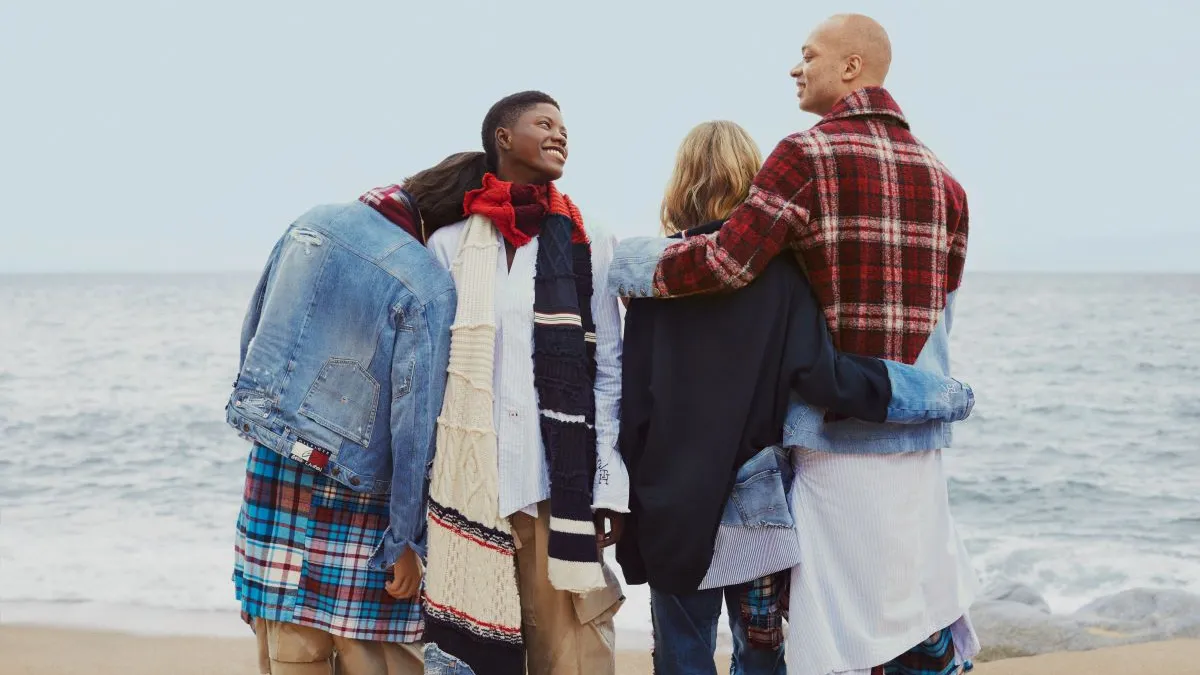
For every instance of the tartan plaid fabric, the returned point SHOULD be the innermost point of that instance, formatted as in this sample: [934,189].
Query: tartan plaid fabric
[393,203]
[934,656]
[764,607]
[301,554]
[878,222]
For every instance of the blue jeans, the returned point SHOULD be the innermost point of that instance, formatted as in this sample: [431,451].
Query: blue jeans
[685,635]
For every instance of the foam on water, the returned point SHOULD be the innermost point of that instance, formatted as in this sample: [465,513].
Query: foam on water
[120,484]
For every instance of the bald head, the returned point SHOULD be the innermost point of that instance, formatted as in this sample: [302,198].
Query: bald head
[845,53]
[858,35]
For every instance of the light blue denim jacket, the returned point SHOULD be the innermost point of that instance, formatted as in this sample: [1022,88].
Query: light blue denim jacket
[925,400]
[345,348]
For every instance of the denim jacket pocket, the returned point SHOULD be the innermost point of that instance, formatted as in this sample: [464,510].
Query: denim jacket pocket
[759,501]
[343,399]
[760,492]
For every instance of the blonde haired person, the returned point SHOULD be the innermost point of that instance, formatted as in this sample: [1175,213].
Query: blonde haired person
[714,168]
[710,521]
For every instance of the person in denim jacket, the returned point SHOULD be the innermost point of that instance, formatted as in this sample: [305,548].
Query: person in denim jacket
[341,377]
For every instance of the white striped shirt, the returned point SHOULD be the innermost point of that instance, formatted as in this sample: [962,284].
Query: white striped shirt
[877,575]
[524,474]
[742,554]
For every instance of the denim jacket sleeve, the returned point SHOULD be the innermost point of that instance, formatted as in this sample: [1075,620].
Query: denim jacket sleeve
[871,389]
[920,395]
[254,312]
[414,413]
[635,259]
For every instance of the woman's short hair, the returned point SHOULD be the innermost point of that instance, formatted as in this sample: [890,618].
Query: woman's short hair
[505,113]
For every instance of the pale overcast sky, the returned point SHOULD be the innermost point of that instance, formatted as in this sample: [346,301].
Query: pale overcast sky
[156,136]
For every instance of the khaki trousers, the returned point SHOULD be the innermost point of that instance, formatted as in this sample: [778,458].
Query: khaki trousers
[292,649]
[565,633]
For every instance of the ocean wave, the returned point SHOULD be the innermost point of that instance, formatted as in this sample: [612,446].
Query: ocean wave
[1075,476]
[1070,574]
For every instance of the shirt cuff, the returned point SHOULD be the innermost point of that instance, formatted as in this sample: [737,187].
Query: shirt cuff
[390,548]
[920,395]
[610,490]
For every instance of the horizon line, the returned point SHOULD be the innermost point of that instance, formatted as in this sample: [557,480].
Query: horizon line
[214,272]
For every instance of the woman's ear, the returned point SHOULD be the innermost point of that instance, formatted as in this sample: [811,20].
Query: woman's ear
[503,139]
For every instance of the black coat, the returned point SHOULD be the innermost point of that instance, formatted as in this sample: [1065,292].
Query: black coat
[706,384]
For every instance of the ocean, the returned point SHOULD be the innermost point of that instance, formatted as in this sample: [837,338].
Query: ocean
[1078,474]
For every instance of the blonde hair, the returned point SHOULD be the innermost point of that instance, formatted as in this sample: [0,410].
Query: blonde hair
[714,167]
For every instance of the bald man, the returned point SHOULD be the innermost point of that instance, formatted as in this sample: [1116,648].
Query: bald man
[880,226]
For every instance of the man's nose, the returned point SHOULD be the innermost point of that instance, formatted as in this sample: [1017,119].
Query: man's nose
[796,70]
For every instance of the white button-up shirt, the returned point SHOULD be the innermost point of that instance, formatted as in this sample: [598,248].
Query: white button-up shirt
[524,473]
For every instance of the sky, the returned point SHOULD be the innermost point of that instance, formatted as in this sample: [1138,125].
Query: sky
[186,136]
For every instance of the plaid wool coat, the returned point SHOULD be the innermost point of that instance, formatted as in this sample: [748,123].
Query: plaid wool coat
[879,224]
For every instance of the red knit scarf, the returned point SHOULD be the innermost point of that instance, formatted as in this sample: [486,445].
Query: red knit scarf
[517,211]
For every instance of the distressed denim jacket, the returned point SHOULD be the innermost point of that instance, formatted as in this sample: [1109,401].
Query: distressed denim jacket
[343,360]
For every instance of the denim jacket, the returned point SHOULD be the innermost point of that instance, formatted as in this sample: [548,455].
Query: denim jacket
[343,360]
[919,393]
[756,536]
[925,399]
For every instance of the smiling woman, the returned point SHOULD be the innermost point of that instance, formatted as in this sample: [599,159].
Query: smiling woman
[525,140]
[515,570]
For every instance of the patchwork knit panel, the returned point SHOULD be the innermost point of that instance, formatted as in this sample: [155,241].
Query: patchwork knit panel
[582,261]
[564,377]
[472,602]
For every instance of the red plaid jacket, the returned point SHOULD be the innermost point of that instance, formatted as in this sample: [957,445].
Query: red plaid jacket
[878,223]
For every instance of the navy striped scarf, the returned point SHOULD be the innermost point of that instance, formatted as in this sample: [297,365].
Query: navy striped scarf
[564,364]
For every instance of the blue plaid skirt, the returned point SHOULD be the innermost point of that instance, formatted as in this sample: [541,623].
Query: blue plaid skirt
[303,541]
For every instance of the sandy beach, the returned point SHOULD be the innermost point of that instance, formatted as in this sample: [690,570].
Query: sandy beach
[54,651]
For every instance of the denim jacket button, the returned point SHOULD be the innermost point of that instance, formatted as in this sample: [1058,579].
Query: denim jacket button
[355,481]
[336,471]
[246,427]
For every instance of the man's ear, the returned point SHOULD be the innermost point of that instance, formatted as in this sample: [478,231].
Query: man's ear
[853,67]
